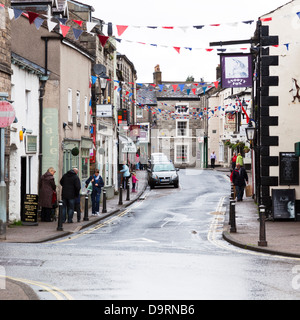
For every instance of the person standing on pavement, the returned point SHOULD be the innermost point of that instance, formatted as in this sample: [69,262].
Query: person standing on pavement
[233,161]
[98,184]
[126,175]
[213,158]
[134,182]
[239,179]
[239,160]
[47,189]
[70,192]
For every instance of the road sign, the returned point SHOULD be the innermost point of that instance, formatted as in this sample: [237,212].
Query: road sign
[7,114]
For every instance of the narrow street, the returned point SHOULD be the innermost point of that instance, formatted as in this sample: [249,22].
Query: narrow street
[168,246]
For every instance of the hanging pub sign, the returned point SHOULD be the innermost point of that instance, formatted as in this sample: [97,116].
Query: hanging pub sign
[236,70]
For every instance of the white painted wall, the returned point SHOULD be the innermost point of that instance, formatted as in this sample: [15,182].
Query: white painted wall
[27,114]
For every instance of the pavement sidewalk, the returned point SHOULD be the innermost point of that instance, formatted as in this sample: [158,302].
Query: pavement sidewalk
[283,237]
[44,232]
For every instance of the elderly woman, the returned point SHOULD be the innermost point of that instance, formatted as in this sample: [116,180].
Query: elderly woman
[47,188]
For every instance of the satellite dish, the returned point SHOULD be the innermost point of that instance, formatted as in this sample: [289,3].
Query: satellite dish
[99,69]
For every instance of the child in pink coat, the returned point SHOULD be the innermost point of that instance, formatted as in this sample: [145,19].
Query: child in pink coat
[134,181]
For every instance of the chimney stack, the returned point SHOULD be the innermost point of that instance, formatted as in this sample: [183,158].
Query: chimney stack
[157,76]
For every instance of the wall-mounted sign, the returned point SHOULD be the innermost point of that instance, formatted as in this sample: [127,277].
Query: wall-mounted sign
[289,169]
[104,111]
[31,144]
[237,70]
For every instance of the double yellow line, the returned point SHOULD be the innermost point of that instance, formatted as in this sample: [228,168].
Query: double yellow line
[56,292]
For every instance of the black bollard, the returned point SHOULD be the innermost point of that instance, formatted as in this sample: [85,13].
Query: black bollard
[128,191]
[86,208]
[120,196]
[231,200]
[104,210]
[233,218]
[262,229]
[60,217]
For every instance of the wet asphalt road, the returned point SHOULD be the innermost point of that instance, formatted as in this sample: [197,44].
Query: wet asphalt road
[167,246]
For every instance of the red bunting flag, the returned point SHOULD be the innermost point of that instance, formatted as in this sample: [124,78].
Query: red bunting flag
[216,84]
[121,30]
[215,25]
[265,19]
[194,91]
[209,50]
[32,16]
[103,39]
[64,30]
[79,22]
[177,49]
[170,28]
[175,87]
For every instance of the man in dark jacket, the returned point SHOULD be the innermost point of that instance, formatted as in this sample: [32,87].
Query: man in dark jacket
[239,179]
[70,191]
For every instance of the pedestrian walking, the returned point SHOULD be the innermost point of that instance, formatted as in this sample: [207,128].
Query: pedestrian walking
[97,184]
[233,161]
[126,175]
[70,192]
[239,179]
[239,160]
[213,158]
[47,194]
[77,208]
[134,182]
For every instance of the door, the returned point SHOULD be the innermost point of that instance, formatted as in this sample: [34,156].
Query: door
[23,183]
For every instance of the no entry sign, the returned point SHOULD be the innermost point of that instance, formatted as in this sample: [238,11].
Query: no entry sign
[7,114]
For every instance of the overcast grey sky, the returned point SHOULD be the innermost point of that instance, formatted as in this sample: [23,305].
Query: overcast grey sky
[174,66]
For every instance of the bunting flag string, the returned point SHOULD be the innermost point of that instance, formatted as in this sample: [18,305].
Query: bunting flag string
[86,26]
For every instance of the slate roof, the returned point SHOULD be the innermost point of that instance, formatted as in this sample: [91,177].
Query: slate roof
[149,94]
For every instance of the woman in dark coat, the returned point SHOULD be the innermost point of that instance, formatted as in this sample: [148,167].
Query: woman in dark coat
[47,187]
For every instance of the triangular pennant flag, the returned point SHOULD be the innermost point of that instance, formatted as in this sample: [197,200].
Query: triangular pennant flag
[17,13]
[181,86]
[121,30]
[51,25]
[266,19]
[63,20]
[216,83]
[38,22]
[161,87]
[94,79]
[103,39]
[194,90]
[90,26]
[204,89]
[199,27]
[175,87]
[77,33]
[11,13]
[248,22]
[64,30]
[79,22]
[177,49]
[287,46]
[298,14]
[188,91]
[32,16]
